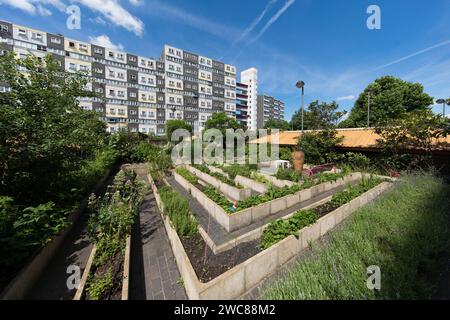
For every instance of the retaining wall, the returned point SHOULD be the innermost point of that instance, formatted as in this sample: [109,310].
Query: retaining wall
[229,191]
[243,277]
[243,218]
[277,182]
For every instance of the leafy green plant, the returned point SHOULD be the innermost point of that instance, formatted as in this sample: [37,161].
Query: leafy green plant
[244,170]
[177,208]
[185,173]
[97,288]
[281,229]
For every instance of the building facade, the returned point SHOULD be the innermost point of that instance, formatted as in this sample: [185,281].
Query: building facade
[242,116]
[135,92]
[250,78]
[269,108]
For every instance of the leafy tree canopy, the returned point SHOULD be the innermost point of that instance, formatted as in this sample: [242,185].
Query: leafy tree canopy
[222,121]
[277,124]
[172,125]
[317,116]
[390,98]
[44,134]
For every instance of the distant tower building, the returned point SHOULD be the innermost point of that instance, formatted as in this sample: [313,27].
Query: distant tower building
[242,104]
[250,78]
[269,108]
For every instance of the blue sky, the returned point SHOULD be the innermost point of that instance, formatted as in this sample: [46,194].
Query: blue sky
[326,43]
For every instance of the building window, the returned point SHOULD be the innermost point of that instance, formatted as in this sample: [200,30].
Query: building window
[98,51]
[4,28]
[72,44]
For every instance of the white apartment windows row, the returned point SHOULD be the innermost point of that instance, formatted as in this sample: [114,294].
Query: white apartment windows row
[118,56]
[175,52]
[120,93]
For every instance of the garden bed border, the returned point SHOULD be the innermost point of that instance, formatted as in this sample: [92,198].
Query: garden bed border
[245,217]
[229,191]
[237,281]
[81,291]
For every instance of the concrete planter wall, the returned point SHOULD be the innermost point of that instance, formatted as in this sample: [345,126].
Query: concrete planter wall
[21,285]
[229,191]
[256,186]
[243,218]
[237,281]
[81,292]
[277,182]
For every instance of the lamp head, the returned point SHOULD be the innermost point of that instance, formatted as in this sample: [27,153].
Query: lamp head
[440,101]
[300,84]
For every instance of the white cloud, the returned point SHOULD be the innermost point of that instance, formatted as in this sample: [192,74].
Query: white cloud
[113,11]
[43,11]
[256,21]
[274,18]
[104,41]
[98,20]
[346,98]
[35,6]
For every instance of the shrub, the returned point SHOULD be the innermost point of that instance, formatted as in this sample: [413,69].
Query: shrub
[287,174]
[244,170]
[319,146]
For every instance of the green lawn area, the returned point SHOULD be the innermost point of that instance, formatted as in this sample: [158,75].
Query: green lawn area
[404,232]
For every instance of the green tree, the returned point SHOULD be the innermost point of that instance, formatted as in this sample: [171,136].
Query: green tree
[419,132]
[277,124]
[222,121]
[319,146]
[44,135]
[390,98]
[317,116]
[172,125]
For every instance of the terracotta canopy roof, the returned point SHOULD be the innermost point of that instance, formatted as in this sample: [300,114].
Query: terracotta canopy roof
[352,138]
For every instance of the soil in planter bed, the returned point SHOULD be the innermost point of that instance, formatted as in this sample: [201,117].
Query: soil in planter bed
[116,264]
[207,265]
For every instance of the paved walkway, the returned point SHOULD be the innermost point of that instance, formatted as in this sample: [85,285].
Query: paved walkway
[154,273]
[220,235]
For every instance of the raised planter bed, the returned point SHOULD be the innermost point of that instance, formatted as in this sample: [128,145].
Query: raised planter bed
[229,191]
[240,219]
[256,186]
[81,291]
[246,275]
[277,182]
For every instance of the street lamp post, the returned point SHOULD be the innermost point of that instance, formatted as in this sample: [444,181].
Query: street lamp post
[444,102]
[301,85]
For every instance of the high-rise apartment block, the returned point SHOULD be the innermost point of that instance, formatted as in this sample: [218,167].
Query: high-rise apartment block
[242,116]
[269,108]
[250,78]
[135,92]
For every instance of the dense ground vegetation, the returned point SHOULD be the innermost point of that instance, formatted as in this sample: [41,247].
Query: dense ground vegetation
[110,221]
[404,233]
